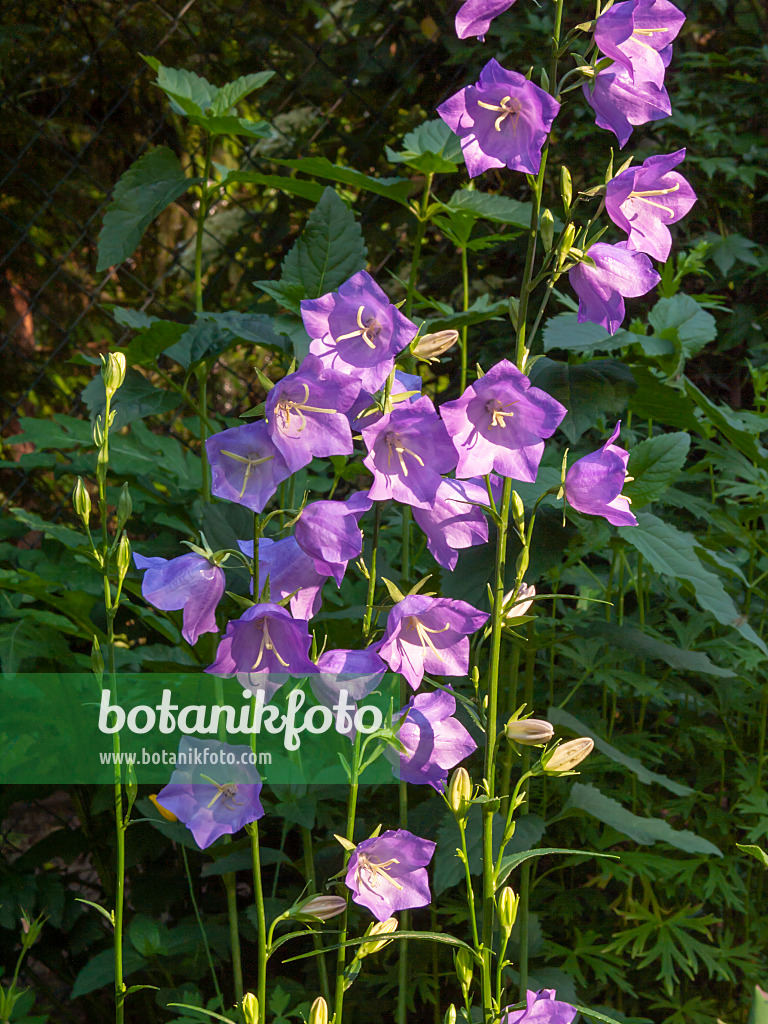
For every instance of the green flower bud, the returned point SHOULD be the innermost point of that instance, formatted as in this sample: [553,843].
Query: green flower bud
[124,506]
[113,371]
[30,930]
[97,662]
[123,556]
[566,187]
[318,1013]
[465,968]
[460,792]
[250,1008]
[507,909]
[450,1015]
[377,928]
[514,311]
[547,229]
[562,759]
[518,510]
[82,501]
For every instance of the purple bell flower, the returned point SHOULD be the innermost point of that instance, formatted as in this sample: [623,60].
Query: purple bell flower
[213,798]
[388,873]
[542,1008]
[291,571]
[620,271]
[357,672]
[435,740]
[474,17]
[305,413]
[328,532]
[638,35]
[408,450]
[246,467]
[620,103]
[454,521]
[364,413]
[429,634]
[357,330]
[502,121]
[264,639]
[499,423]
[645,200]
[190,582]
[593,484]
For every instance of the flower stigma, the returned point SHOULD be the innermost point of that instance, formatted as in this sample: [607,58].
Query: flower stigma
[374,870]
[395,444]
[227,792]
[422,632]
[267,644]
[369,330]
[286,406]
[655,192]
[496,409]
[251,461]
[509,108]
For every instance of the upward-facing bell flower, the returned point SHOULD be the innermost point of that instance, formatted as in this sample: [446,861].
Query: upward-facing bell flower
[645,200]
[638,35]
[593,484]
[264,639]
[246,466]
[305,413]
[541,1008]
[499,423]
[191,582]
[621,100]
[357,330]
[388,873]
[619,271]
[474,17]
[502,120]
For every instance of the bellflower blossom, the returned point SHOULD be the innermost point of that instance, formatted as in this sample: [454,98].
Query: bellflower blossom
[357,672]
[499,423]
[429,634]
[305,413]
[388,873]
[434,739]
[213,798]
[619,271]
[454,521]
[502,121]
[290,571]
[328,532]
[191,582]
[542,1008]
[357,330]
[264,639]
[474,17]
[620,103]
[246,467]
[408,450]
[638,35]
[645,200]
[365,412]
[593,484]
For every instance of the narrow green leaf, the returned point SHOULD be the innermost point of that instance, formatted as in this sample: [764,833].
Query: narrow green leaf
[228,124]
[723,418]
[293,186]
[396,189]
[756,851]
[508,864]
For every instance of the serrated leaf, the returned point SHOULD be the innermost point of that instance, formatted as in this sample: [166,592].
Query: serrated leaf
[724,419]
[655,465]
[565,332]
[482,309]
[136,399]
[682,319]
[228,124]
[232,93]
[726,249]
[432,148]
[483,205]
[662,403]
[57,531]
[154,181]
[396,189]
[587,390]
[158,336]
[189,93]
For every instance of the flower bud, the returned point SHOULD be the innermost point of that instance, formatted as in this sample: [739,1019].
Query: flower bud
[507,909]
[465,968]
[169,816]
[250,1008]
[528,732]
[82,501]
[319,908]
[97,662]
[430,346]
[562,759]
[113,371]
[518,510]
[123,556]
[565,246]
[377,928]
[514,311]
[450,1015]
[523,559]
[460,792]
[566,187]
[318,1013]
[547,229]
[517,603]
[30,930]
[124,506]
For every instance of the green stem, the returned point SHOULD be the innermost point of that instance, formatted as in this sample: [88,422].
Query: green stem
[258,890]
[406,560]
[470,889]
[421,227]
[309,875]
[525,871]
[402,967]
[201,926]
[372,573]
[465,285]
[201,370]
[349,836]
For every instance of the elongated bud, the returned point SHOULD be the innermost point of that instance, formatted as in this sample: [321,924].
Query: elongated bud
[165,813]
[430,346]
[507,909]
[319,908]
[113,371]
[318,1013]
[547,229]
[460,792]
[30,930]
[450,1015]
[528,732]
[565,246]
[518,510]
[562,759]
[518,603]
[514,312]
[465,968]
[82,501]
[521,565]
[377,928]
[566,187]
[124,506]
[250,1008]
[97,662]
[131,789]
[123,556]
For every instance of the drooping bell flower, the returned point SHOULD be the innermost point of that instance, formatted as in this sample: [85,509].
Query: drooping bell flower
[638,35]
[357,330]
[290,571]
[264,639]
[388,873]
[430,634]
[500,423]
[619,272]
[246,466]
[593,484]
[214,789]
[434,739]
[454,521]
[620,103]
[645,200]
[474,17]
[305,413]
[408,450]
[541,1008]
[191,582]
[328,532]
[357,672]
[502,120]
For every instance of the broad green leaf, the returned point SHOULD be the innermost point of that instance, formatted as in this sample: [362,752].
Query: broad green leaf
[643,645]
[293,186]
[662,403]
[682,319]
[558,716]
[288,295]
[154,181]
[565,332]
[756,851]
[587,390]
[721,417]
[655,465]
[135,399]
[229,95]
[189,93]
[57,531]
[146,935]
[726,249]
[645,831]
[671,552]
[508,864]
[242,860]
[432,148]
[201,340]
[135,318]
[329,251]
[396,189]
[481,310]
[100,971]
[483,205]
[228,124]
[758,1012]
[255,327]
